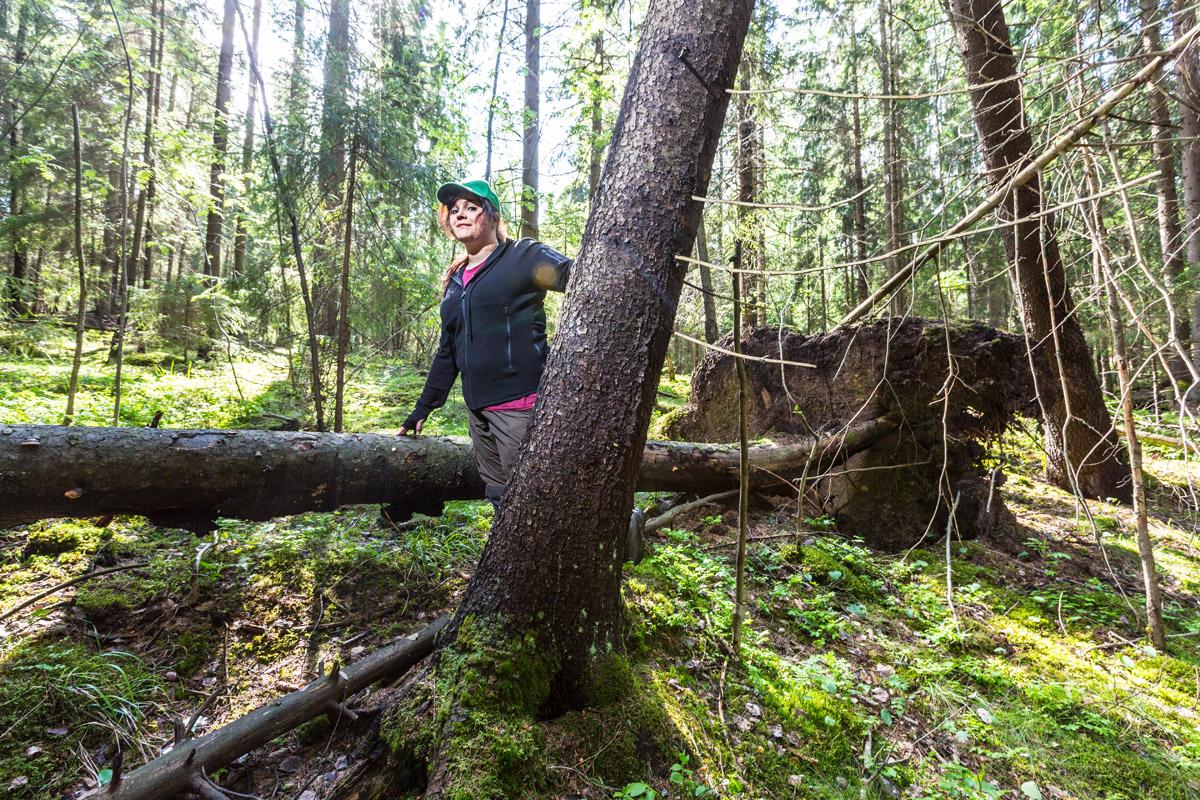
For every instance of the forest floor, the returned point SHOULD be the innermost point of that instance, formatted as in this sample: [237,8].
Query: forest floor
[1013,667]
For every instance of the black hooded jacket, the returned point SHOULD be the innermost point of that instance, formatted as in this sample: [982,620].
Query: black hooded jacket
[494,330]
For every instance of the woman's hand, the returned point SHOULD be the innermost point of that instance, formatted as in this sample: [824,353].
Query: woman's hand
[415,430]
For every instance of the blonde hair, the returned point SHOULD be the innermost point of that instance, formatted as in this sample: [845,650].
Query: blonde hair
[443,216]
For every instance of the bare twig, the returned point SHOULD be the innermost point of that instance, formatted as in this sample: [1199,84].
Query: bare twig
[65,584]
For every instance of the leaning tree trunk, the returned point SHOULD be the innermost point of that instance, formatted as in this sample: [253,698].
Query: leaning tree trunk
[539,635]
[598,391]
[1082,450]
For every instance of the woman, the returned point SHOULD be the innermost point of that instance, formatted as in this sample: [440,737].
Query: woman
[493,328]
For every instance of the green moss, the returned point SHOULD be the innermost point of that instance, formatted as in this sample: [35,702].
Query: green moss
[51,541]
[195,648]
[315,730]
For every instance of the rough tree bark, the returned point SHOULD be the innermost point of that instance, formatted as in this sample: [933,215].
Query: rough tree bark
[216,181]
[1082,451]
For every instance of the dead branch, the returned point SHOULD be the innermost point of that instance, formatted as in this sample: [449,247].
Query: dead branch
[185,766]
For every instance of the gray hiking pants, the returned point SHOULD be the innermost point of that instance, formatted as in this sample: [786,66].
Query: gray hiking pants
[496,436]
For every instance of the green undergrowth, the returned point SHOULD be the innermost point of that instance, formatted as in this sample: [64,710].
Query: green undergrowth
[64,706]
[267,604]
[238,388]
[858,679]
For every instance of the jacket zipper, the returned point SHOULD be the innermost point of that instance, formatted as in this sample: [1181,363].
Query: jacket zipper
[508,332]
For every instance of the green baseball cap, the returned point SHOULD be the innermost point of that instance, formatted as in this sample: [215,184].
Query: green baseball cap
[448,191]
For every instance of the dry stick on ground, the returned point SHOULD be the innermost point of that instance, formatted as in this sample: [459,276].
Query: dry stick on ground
[666,518]
[744,461]
[65,584]
[82,311]
[184,767]
[949,571]
[1032,169]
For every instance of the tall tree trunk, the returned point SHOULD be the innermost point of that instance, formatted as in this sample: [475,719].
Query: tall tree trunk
[343,345]
[595,148]
[216,181]
[294,111]
[598,391]
[748,217]
[239,235]
[81,308]
[110,244]
[532,118]
[862,290]
[331,167]
[20,257]
[491,118]
[146,195]
[893,185]
[712,330]
[152,184]
[1082,451]
[1101,265]
[1169,236]
[1187,71]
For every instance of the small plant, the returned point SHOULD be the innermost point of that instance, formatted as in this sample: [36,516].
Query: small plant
[685,778]
[638,790]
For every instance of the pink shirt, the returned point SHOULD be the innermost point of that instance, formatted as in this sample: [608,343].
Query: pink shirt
[521,403]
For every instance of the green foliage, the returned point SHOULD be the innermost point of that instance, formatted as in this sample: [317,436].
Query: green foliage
[59,693]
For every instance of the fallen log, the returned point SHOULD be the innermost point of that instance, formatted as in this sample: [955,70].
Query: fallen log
[1163,441]
[188,478]
[186,766]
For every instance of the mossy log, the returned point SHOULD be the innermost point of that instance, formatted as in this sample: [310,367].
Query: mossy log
[185,767]
[188,478]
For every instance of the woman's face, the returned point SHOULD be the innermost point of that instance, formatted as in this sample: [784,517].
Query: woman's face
[469,223]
